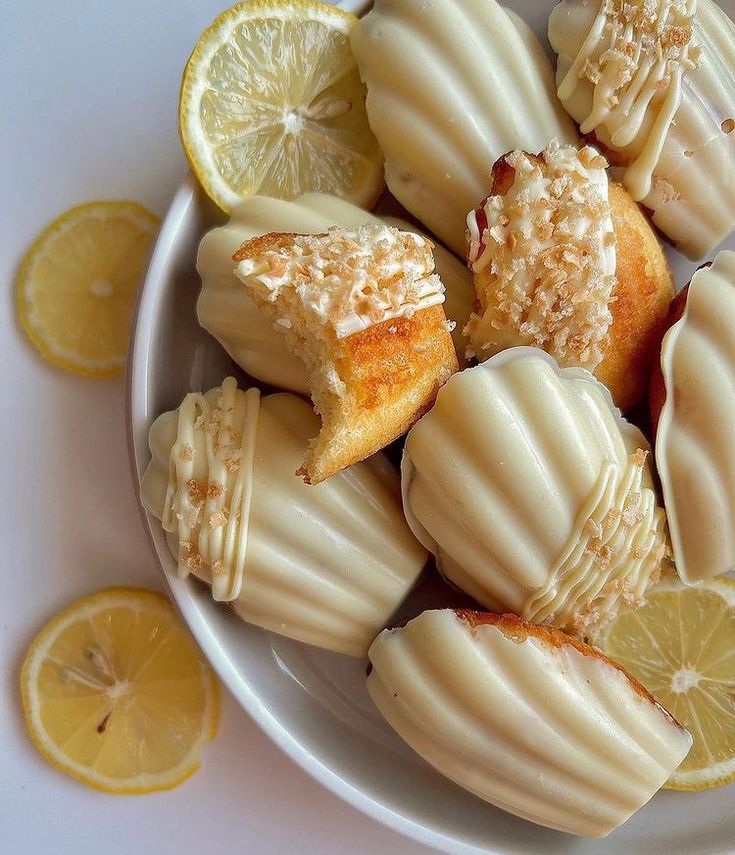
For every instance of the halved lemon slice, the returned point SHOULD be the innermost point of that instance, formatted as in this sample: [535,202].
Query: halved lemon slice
[117,695]
[79,281]
[272,103]
[681,646]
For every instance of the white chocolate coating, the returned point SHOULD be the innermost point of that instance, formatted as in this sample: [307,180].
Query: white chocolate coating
[671,123]
[695,442]
[549,733]
[452,86]
[227,312]
[544,257]
[324,564]
[534,493]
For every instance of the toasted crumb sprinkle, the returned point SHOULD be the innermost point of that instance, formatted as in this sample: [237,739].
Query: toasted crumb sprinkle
[215,489]
[639,457]
[639,34]
[186,452]
[544,258]
[195,562]
[196,490]
[217,519]
[345,279]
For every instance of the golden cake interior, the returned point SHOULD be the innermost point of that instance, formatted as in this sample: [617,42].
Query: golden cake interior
[363,310]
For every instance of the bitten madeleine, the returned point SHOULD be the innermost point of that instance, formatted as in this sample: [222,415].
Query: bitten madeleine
[526,718]
[534,493]
[654,82]
[363,310]
[564,260]
[327,565]
[695,449]
[228,313]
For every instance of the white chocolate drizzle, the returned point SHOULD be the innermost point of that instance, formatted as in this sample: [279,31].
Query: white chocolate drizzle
[612,558]
[348,279]
[635,56]
[544,258]
[210,486]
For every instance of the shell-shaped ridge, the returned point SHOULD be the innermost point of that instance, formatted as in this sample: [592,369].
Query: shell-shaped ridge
[691,194]
[534,493]
[325,564]
[452,86]
[544,729]
[694,443]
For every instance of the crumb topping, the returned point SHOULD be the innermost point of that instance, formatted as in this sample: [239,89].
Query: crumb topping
[544,258]
[348,279]
[612,559]
[210,513]
[634,58]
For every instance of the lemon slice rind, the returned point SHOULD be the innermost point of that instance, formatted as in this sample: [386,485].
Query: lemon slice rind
[659,665]
[27,283]
[38,654]
[363,190]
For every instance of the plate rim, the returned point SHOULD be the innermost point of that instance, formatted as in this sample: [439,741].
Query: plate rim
[137,417]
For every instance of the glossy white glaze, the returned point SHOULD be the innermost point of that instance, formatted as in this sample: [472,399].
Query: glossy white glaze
[326,564]
[534,493]
[452,86]
[695,445]
[676,132]
[553,734]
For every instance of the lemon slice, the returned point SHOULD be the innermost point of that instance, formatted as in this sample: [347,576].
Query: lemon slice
[117,695]
[272,103]
[681,646]
[79,281]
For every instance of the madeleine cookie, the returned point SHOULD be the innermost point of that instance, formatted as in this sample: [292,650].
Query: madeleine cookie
[526,718]
[327,565]
[564,260]
[695,390]
[534,494]
[363,310]
[654,83]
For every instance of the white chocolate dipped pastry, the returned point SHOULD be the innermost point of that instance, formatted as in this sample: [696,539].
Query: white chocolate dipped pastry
[363,310]
[564,260]
[227,312]
[326,565]
[695,445]
[534,493]
[526,718]
[655,83]
[452,86]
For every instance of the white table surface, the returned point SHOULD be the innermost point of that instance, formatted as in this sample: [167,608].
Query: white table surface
[88,111]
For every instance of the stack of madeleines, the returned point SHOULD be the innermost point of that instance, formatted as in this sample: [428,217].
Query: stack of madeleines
[506,379]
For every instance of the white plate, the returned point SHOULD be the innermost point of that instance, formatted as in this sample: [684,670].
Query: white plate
[312,703]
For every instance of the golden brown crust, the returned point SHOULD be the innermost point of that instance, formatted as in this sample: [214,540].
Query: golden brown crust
[657,390]
[641,300]
[519,630]
[392,372]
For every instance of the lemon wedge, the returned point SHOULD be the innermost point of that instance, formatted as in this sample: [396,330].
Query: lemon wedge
[78,285]
[681,647]
[117,695]
[272,103]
